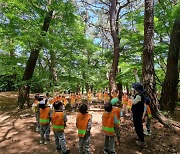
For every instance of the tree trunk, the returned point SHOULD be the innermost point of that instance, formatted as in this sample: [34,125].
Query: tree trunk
[120,89]
[148,57]
[31,63]
[114,26]
[87,87]
[52,68]
[148,65]
[170,86]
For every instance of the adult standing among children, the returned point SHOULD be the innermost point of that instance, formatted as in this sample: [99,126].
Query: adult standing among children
[138,99]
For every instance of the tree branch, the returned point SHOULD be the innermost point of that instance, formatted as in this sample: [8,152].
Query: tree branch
[102,8]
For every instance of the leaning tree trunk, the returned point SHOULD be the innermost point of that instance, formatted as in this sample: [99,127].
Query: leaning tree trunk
[170,86]
[114,26]
[31,63]
[148,65]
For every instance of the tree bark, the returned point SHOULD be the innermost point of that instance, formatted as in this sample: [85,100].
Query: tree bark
[52,68]
[169,91]
[120,89]
[114,26]
[31,63]
[148,66]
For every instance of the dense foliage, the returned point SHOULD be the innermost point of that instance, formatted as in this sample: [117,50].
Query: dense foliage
[77,53]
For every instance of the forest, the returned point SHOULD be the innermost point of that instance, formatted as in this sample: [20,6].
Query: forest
[80,46]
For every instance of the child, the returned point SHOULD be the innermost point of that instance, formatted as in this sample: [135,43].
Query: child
[35,108]
[89,98]
[59,120]
[106,97]
[109,121]
[99,98]
[147,116]
[78,99]
[73,101]
[119,114]
[65,101]
[124,102]
[45,115]
[83,123]
[115,94]
[129,106]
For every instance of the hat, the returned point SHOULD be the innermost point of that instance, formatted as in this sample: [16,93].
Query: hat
[138,87]
[114,101]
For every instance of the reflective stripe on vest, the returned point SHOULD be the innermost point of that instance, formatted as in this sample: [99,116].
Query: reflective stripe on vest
[108,129]
[82,122]
[80,131]
[58,121]
[58,127]
[44,120]
[108,123]
[44,116]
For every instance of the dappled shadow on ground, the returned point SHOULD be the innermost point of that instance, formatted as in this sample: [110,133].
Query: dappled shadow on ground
[17,135]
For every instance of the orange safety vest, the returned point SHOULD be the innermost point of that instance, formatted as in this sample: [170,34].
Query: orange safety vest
[51,101]
[58,121]
[108,123]
[60,98]
[99,95]
[44,116]
[73,99]
[106,96]
[148,111]
[125,98]
[36,102]
[78,97]
[116,110]
[35,106]
[89,95]
[129,105]
[82,122]
[56,99]
[65,101]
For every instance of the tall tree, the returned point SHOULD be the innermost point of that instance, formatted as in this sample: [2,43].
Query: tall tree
[114,11]
[148,51]
[31,63]
[148,64]
[170,85]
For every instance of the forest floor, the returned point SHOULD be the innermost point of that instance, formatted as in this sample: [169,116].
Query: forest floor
[17,133]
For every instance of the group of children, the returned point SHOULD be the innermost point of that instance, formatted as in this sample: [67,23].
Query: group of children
[49,110]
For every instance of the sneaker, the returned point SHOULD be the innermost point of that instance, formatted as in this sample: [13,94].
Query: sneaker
[117,143]
[37,129]
[112,152]
[142,144]
[58,149]
[48,140]
[147,133]
[67,152]
[45,143]
[40,141]
[106,151]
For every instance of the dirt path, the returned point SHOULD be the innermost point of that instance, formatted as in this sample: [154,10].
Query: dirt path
[17,135]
